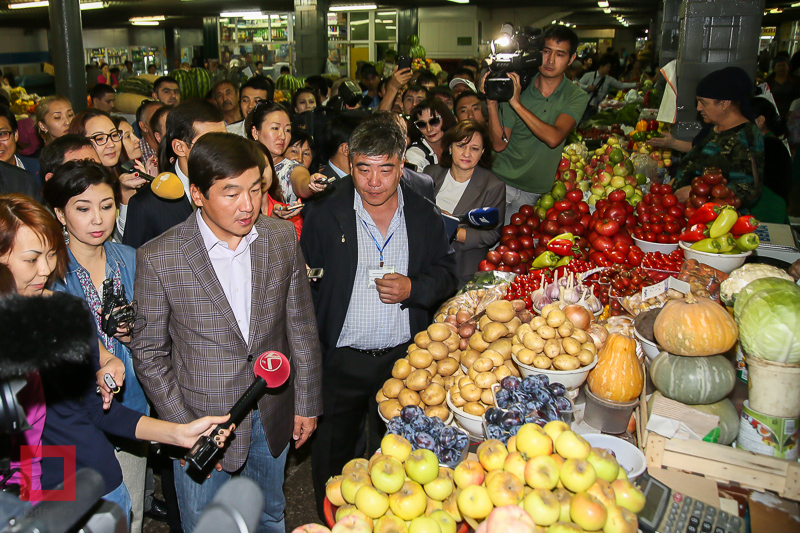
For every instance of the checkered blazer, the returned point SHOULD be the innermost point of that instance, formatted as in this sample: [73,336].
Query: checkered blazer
[188,352]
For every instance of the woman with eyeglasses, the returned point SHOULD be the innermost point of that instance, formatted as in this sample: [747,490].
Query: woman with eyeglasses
[463,180]
[269,124]
[107,142]
[431,119]
[53,117]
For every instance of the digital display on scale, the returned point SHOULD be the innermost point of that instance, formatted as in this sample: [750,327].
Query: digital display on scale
[655,493]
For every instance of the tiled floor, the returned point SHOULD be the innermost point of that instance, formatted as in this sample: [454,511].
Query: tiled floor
[300,508]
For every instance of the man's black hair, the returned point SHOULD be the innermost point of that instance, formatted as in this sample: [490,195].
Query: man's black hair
[155,118]
[140,111]
[285,70]
[318,82]
[9,116]
[100,90]
[462,72]
[414,88]
[162,80]
[336,133]
[54,152]
[469,62]
[259,83]
[427,76]
[560,33]
[218,156]
[180,125]
[605,60]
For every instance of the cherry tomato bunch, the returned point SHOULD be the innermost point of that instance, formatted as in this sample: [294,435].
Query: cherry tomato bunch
[670,262]
[660,215]
[524,284]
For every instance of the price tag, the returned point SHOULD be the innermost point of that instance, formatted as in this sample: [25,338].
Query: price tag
[660,288]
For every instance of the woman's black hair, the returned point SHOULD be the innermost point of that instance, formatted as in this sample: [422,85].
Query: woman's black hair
[180,126]
[302,90]
[300,137]
[259,113]
[772,119]
[72,179]
[436,107]
[461,132]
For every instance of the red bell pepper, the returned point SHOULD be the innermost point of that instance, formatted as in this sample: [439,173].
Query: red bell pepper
[705,214]
[695,233]
[652,125]
[744,224]
[560,247]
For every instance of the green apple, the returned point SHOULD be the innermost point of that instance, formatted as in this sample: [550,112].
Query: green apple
[620,520]
[570,445]
[604,463]
[352,482]
[628,190]
[617,181]
[547,200]
[515,464]
[533,441]
[565,500]
[543,506]
[592,200]
[409,502]
[554,428]
[542,472]
[441,487]
[492,454]
[352,524]
[397,446]
[424,524]
[371,501]
[588,512]
[578,475]
[474,502]
[333,490]
[388,474]
[641,179]
[446,522]
[603,491]
[422,466]
[584,185]
[468,473]
[564,527]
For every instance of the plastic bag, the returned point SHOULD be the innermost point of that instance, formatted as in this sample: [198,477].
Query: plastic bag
[644,164]
[702,277]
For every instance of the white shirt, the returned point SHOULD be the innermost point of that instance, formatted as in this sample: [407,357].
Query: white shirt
[339,172]
[450,193]
[233,270]
[237,128]
[185,181]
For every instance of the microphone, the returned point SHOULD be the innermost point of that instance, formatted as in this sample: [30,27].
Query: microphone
[272,370]
[166,185]
[61,516]
[481,217]
[235,508]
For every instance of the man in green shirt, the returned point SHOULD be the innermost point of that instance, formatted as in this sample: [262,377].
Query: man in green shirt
[529,131]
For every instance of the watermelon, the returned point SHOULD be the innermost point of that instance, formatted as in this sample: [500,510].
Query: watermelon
[138,86]
[201,80]
[185,83]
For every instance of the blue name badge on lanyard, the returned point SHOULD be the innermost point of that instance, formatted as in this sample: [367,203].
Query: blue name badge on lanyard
[382,270]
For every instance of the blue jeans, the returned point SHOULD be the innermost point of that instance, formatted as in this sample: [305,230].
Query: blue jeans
[261,467]
[121,497]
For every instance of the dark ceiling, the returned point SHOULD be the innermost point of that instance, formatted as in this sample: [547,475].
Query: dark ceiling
[189,13]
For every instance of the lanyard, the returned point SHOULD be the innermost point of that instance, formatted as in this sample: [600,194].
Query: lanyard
[378,246]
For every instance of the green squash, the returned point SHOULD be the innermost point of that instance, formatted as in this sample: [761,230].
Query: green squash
[693,380]
[724,409]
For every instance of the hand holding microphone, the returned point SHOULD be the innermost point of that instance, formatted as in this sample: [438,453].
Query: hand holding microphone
[271,370]
[166,185]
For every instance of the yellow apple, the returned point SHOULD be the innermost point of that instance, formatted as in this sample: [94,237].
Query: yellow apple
[422,466]
[356,464]
[432,505]
[492,454]
[510,519]
[353,481]
[604,463]
[588,512]
[620,520]
[446,522]
[554,428]
[542,472]
[468,473]
[409,502]
[333,490]
[570,445]
[564,527]
[603,491]
[450,505]
[474,502]
[441,487]
[390,524]
[371,501]
[504,489]
[311,528]
[577,475]
[511,445]
[543,506]
[352,524]
[397,446]
[424,524]
[533,441]
[387,474]
[374,459]
[628,495]
[350,510]
[565,500]
[515,464]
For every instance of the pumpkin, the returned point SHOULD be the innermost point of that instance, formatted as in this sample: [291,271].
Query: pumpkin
[724,409]
[695,326]
[618,375]
[693,380]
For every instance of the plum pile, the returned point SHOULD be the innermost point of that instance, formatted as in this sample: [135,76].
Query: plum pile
[427,432]
[521,401]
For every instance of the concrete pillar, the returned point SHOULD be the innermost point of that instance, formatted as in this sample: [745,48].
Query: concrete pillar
[407,24]
[66,51]
[211,37]
[713,35]
[310,36]
[668,37]
[172,43]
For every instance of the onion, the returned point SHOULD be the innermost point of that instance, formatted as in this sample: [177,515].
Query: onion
[578,315]
[599,334]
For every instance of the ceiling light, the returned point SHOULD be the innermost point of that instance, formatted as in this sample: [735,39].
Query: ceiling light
[358,22]
[391,27]
[796,4]
[386,13]
[26,5]
[146,19]
[353,7]
[240,14]
[145,23]
[602,3]
[607,10]
[459,1]
[92,5]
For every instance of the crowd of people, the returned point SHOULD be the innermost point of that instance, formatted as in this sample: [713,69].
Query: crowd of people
[344,177]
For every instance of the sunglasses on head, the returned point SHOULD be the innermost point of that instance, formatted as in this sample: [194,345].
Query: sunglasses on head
[421,124]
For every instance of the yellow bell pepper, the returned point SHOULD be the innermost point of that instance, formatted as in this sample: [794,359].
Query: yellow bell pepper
[641,125]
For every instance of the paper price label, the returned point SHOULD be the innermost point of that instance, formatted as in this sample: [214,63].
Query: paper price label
[660,288]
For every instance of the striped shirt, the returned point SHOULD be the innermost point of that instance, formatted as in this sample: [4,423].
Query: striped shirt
[371,324]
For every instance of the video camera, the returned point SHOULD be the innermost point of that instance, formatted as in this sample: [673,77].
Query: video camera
[517,51]
[117,311]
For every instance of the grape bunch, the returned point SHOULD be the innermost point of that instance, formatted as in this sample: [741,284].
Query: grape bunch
[427,432]
[522,401]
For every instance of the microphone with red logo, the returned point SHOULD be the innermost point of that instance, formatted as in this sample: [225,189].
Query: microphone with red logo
[272,370]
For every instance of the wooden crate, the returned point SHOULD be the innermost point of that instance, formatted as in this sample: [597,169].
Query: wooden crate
[725,464]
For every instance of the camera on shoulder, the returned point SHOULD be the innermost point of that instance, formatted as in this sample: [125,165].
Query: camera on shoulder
[518,51]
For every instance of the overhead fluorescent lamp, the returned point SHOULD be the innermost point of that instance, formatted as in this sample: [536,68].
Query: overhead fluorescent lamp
[391,27]
[361,7]
[607,10]
[145,23]
[796,4]
[358,22]
[146,19]
[92,5]
[240,14]
[387,13]
[602,3]
[459,1]
[27,5]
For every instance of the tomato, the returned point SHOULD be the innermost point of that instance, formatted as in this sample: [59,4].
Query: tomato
[617,196]
[644,218]
[674,239]
[486,266]
[616,212]
[510,229]
[607,227]
[502,249]
[504,268]
[638,232]
[526,241]
[514,245]
[586,220]
[518,219]
[583,208]
[526,210]
[494,257]
[525,230]
[552,215]
[602,243]
[533,221]
[623,247]
[575,195]
[525,256]
[519,269]
[669,200]
[599,259]
[671,227]
[505,238]
[641,208]
[662,238]
[616,256]
[563,205]
[635,257]
[649,236]
[623,236]
[630,221]
[657,228]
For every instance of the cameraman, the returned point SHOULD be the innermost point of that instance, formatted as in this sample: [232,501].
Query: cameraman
[528,132]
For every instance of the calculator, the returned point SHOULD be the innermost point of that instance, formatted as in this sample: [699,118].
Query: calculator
[669,511]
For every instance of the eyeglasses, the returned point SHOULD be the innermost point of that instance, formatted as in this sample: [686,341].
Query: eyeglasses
[5,135]
[421,124]
[102,138]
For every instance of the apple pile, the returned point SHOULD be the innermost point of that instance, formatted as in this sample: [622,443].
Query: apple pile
[570,169]
[609,236]
[710,187]
[552,342]
[530,400]
[423,377]
[660,215]
[430,433]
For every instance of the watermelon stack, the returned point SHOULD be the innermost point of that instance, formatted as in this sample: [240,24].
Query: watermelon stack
[194,83]
[138,86]
[287,82]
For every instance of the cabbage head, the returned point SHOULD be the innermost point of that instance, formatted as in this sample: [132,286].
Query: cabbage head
[769,325]
[759,285]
